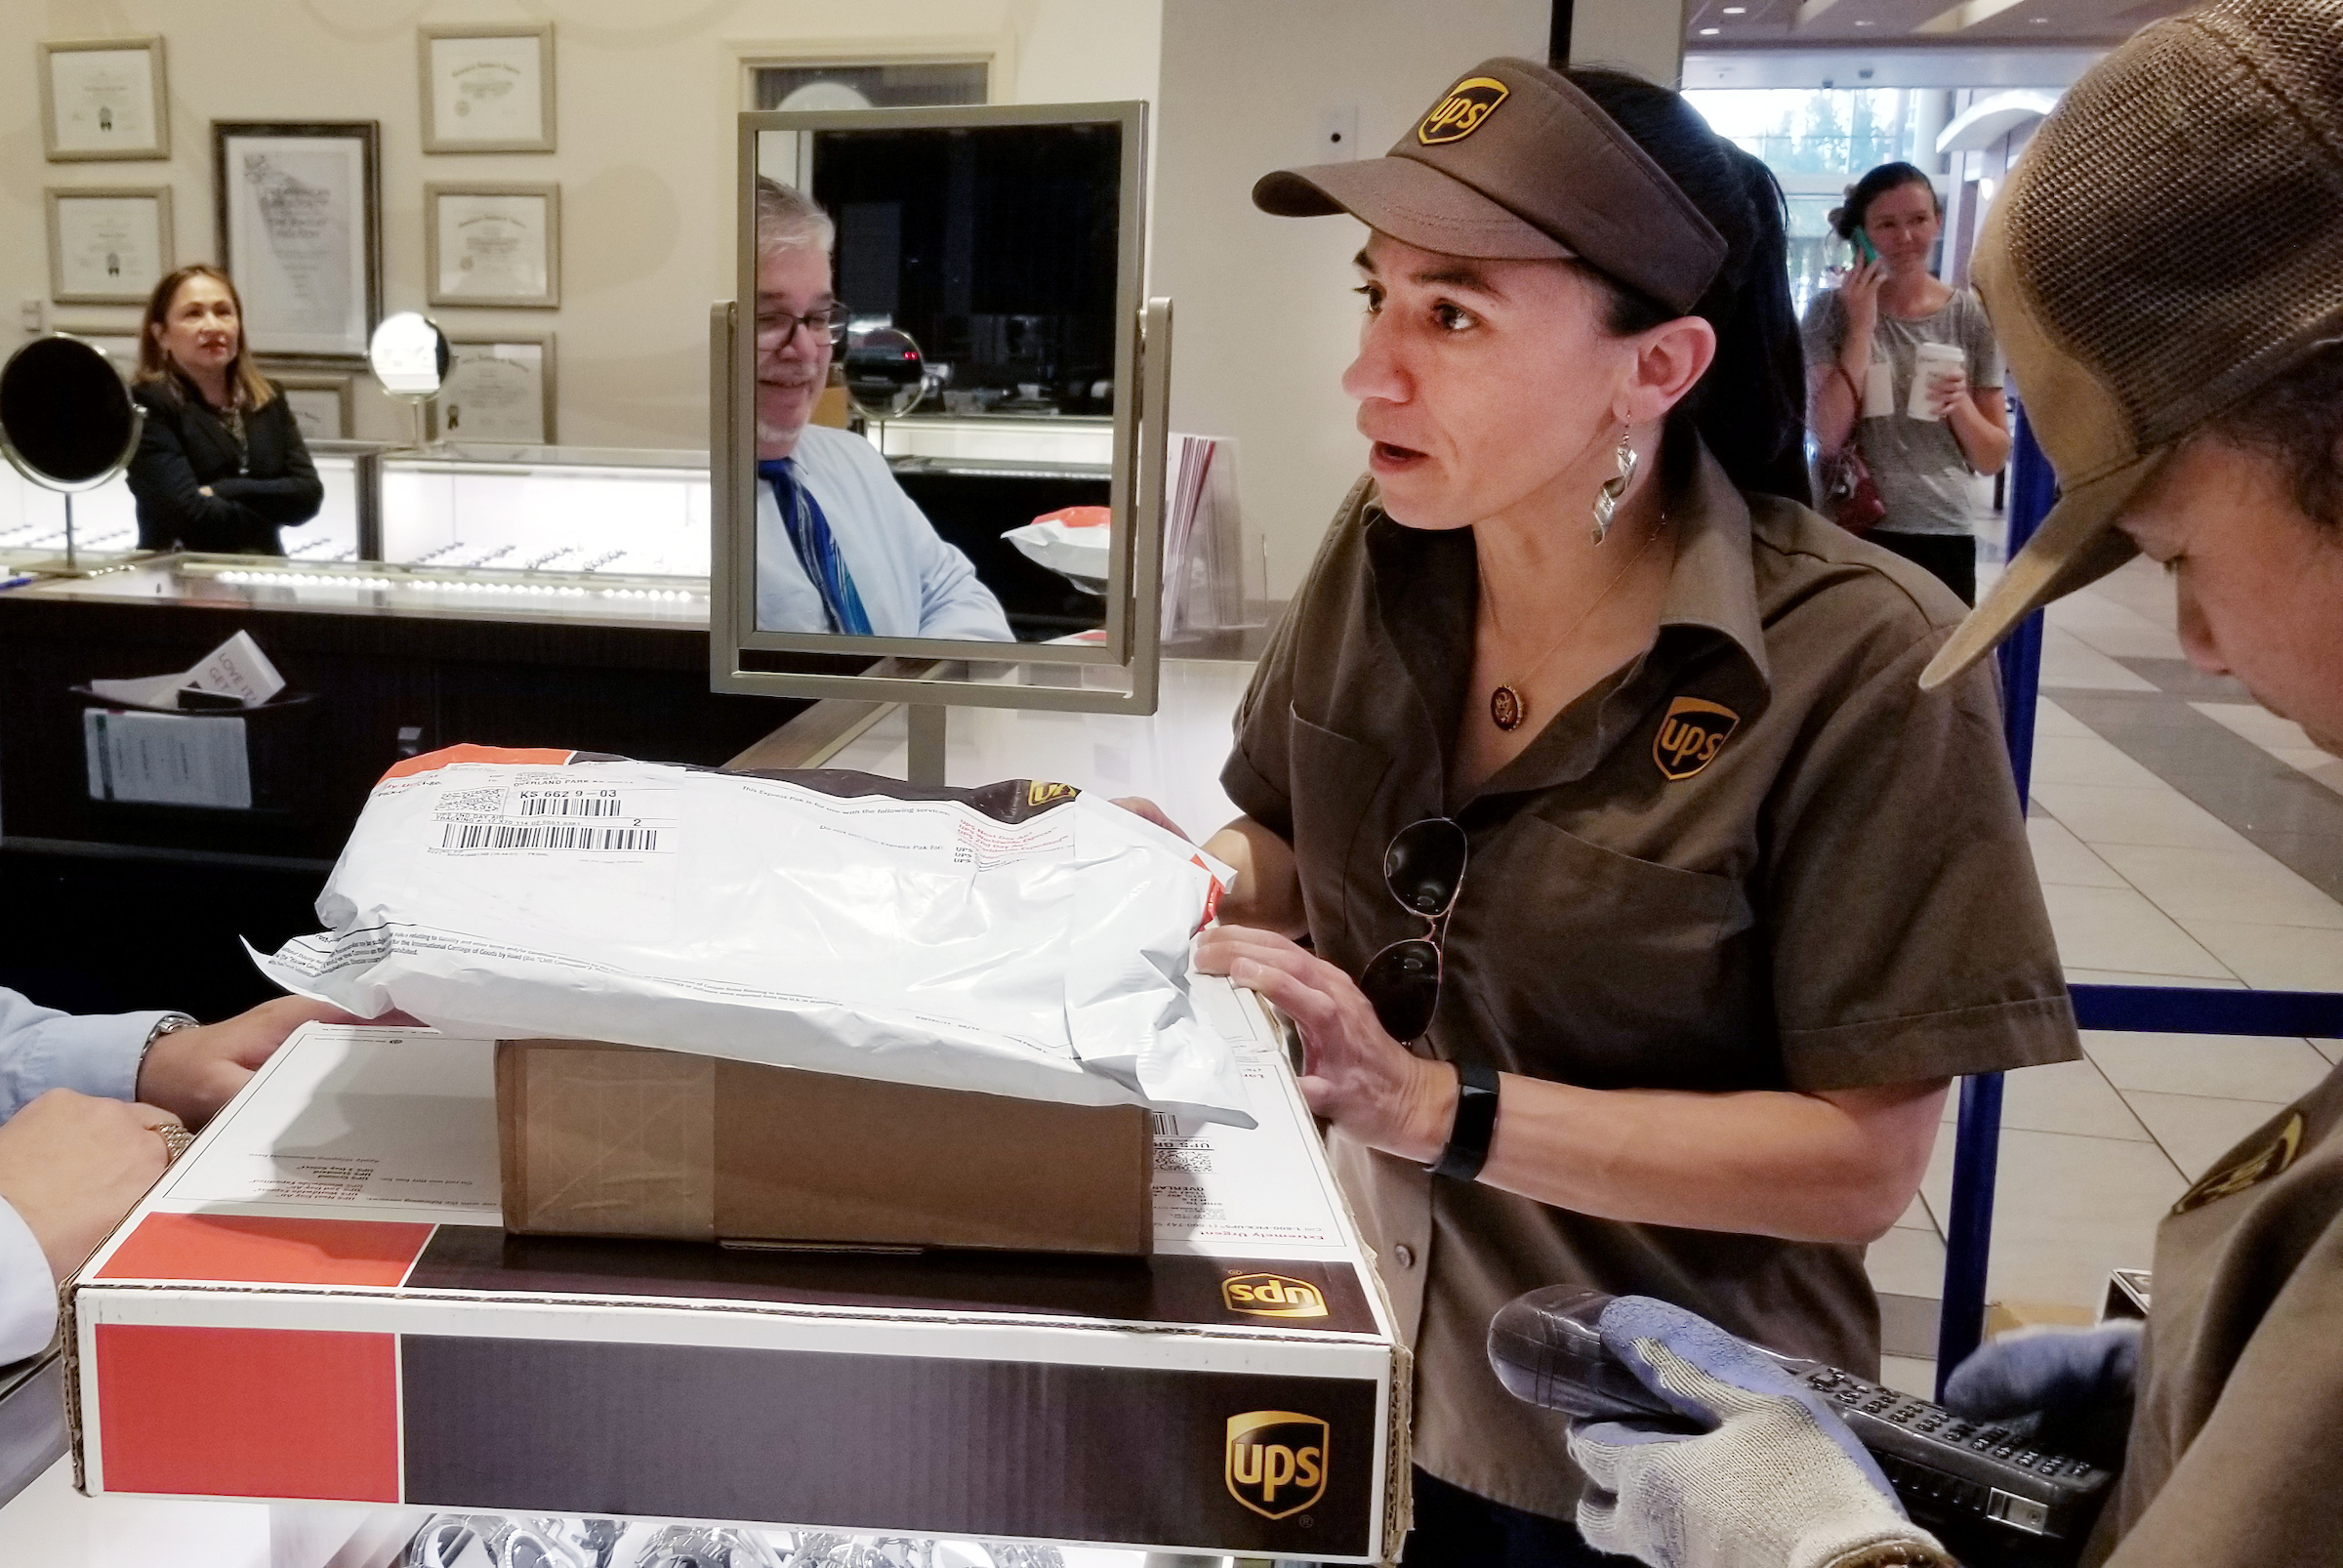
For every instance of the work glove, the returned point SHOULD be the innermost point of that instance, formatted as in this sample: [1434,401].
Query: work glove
[1773,1479]
[2064,1391]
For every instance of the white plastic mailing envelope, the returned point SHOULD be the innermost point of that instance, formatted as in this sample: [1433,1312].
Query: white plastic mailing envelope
[1077,541]
[1022,938]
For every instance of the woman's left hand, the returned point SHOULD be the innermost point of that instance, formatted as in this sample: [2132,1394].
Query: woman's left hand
[1947,390]
[1354,1075]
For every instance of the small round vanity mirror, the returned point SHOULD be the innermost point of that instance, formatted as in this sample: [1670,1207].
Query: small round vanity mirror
[886,375]
[408,355]
[67,421]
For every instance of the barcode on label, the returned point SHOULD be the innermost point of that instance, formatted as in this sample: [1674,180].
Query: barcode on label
[571,805]
[545,836]
[1167,1126]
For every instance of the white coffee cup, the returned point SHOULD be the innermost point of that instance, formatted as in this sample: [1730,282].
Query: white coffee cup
[1929,361]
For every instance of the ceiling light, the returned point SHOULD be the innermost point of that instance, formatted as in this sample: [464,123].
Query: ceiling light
[1737,11]
[1863,24]
[1711,32]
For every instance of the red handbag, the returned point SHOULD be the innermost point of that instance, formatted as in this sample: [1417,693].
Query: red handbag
[1849,496]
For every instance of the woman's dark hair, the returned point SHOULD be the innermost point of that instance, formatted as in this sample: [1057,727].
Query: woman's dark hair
[1750,408]
[1844,220]
[2295,419]
[245,383]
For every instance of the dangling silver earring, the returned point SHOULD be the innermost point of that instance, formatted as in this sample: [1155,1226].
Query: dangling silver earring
[1606,500]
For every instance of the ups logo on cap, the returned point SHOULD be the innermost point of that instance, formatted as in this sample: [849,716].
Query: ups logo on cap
[1275,1463]
[1461,113]
[1690,734]
[1272,1296]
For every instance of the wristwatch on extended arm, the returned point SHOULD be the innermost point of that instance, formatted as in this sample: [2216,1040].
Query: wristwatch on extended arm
[169,1023]
[1475,1126]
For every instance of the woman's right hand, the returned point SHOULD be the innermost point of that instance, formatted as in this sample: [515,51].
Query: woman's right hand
[1859,293]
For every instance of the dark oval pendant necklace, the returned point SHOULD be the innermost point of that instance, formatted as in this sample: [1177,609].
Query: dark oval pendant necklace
[1508,709]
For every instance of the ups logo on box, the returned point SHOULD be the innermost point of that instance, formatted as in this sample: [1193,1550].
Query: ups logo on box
[1272,1296]
[1461,113]
[1690,734]
[1276,1464]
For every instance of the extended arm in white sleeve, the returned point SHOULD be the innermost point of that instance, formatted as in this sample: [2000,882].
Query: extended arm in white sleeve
[27,1291]
[42,1049]
[954,602]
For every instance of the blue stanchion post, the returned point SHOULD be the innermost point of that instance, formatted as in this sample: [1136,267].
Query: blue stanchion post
[1977,1141]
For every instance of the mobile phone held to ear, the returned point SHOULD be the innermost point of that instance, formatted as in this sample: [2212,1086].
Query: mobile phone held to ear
[1977,1484]
[1865,250]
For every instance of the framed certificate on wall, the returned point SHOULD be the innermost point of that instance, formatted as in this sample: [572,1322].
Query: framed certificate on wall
[109,247]
[103,98]
[487,89]
[493,244]
[323,401]
[299,228]
[499,391]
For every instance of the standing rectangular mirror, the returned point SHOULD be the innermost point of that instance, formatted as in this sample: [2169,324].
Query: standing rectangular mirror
[939,409]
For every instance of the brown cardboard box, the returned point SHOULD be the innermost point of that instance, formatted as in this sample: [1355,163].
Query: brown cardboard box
[355,1301]
[613,1141]
[2007,1317]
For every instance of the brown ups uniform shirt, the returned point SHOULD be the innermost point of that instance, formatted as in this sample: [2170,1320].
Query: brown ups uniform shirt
[2236,1440]
[1759,857]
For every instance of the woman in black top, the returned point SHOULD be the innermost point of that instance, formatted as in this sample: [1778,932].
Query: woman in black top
[221,466]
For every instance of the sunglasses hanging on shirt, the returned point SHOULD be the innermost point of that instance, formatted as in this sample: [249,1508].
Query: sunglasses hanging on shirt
[1423,866]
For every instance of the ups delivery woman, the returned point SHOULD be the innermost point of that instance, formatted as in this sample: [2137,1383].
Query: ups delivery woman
[1651,904]
[2215,447]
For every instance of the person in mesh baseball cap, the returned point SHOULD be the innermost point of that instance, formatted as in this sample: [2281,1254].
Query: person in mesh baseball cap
[2165,271]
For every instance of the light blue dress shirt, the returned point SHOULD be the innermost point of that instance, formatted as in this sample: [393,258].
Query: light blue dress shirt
[40,1049]
[911,582]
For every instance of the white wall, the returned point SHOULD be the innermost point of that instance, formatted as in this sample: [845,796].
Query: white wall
[1264,322]
[1642,35]
[646,92]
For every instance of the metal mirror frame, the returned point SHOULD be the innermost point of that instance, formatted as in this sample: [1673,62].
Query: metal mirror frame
[42,477]
[1142,381]
[70,488]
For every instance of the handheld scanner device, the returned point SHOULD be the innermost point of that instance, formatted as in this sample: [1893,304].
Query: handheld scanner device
[1975,1483]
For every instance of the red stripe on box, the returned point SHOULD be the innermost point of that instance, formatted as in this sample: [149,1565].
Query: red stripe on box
[518,756]
[271,1412]
[258,1249]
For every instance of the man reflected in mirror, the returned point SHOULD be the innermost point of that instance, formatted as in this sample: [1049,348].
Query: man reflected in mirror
[840,547]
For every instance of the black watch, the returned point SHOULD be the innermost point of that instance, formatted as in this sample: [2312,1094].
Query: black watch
[1469,1138]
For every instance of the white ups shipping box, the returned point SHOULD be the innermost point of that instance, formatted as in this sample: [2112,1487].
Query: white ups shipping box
[320,1301]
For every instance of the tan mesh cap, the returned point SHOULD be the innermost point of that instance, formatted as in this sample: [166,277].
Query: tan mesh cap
[1516,163]
[2171,239]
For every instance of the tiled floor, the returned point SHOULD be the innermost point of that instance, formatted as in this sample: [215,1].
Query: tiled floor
[2183,837]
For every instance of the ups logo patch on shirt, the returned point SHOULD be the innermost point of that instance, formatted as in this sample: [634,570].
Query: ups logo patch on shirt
[1690,734]
[2252,1169]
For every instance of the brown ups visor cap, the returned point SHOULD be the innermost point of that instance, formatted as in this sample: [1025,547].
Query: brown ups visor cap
[2167,244]
[1514,163]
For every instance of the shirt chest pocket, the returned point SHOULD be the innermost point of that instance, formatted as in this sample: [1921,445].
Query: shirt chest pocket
[1335,781]
[1571,960]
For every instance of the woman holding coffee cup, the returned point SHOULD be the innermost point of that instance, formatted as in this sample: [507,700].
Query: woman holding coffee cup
[1906,368]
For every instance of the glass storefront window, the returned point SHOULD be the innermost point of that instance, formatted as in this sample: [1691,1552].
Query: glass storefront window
[1818,141]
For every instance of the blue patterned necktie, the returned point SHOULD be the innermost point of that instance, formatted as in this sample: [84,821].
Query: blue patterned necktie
[817,548]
